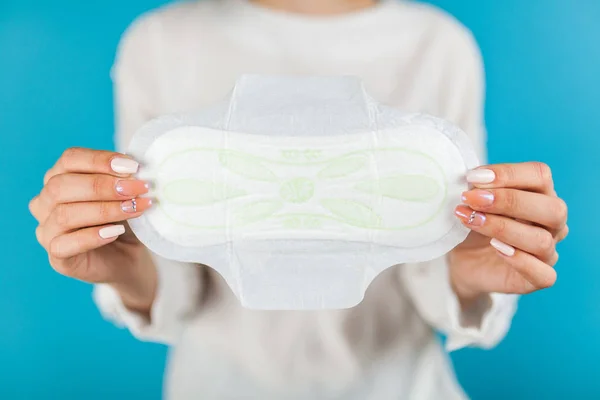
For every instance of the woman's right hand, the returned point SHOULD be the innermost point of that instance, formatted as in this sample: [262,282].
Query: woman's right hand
[81,211]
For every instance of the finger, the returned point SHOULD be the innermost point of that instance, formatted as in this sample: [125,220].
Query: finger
[87,161]
[529,238]
[36,209]
[68,217]
[532,176]
[81,241]
[562,234]
[66,252]
[70,188]
[553,260]
[39,235]
[535,271]
[547,211]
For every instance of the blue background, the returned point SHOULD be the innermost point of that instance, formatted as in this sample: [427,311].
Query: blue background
[543,77]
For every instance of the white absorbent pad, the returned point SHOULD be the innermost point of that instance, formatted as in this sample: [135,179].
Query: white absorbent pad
[300,190]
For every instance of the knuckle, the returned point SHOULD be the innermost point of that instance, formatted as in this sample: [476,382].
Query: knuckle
[560,211]
[62,215]
[47,176]
[54,189]
[509,200]
[69,154]
[546,243]
[549,280]
[499,228]
[105,211]
[39,235]
[564,233]
[56,249]
[544,172]
[508,174]
[32,207]
[97,185]
[98,159]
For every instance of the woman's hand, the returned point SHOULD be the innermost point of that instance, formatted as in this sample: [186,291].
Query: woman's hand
[515,206]
[86,198]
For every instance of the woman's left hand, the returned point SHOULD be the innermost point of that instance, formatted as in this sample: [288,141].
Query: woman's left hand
[516,220]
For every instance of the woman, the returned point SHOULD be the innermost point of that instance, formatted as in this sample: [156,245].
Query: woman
[412,56]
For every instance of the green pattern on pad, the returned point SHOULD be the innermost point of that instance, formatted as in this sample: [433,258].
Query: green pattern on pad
[247,166]
[343,167]
[193,192]
[297,190]
[256,211]
[301,189]
[353,212]
[402,187]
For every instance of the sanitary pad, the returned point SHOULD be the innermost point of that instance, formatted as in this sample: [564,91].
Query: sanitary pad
[300,190]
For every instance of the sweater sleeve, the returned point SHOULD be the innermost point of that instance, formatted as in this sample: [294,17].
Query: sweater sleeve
[486,323]
[428,284]
[136,89]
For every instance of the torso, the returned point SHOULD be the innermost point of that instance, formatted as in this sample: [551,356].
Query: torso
[381,349]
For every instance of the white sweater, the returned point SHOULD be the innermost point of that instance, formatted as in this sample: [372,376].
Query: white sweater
[187,56]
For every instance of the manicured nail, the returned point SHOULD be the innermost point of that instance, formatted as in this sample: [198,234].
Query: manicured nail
[136,205]
[503,247]
[469,216]
[131,188]
[111,231]
[478,197]
[124,165]
[481,176]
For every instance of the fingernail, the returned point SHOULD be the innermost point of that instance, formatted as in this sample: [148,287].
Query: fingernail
[469,216]
[481,176]
[124,165]
[111,231]
[478,197]
[136,205]
[503,247]
[131,187]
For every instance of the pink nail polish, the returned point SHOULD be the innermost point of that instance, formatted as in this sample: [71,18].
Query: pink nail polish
[131,188]
[136,205]
[469,216]
[478,197]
